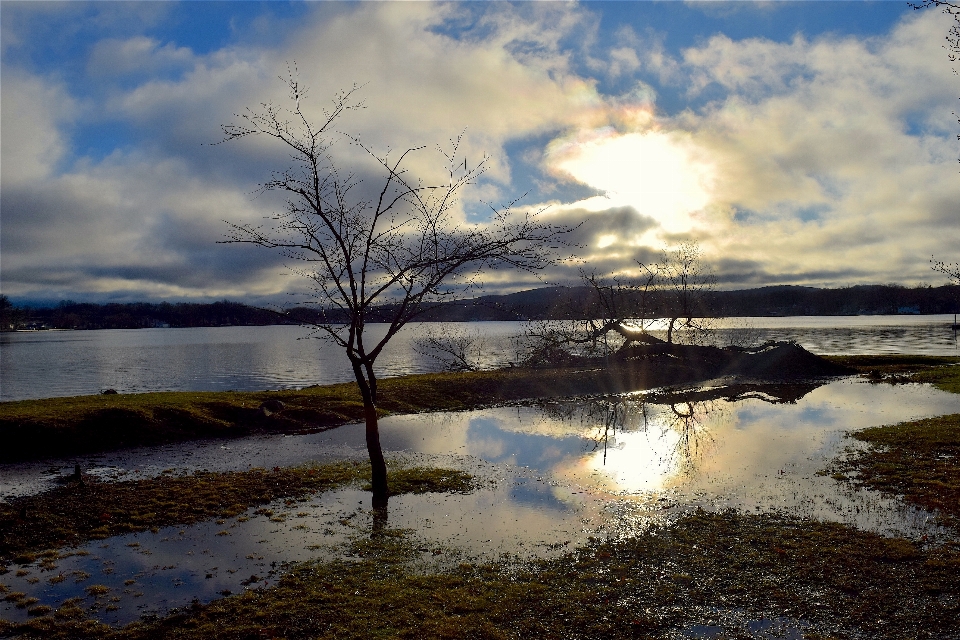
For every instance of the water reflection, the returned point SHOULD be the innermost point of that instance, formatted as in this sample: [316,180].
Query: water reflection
[552,474]
[640,442]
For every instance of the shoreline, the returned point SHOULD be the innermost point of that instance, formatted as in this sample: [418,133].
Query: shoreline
[63,427]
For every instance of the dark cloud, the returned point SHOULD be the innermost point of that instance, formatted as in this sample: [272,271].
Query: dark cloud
[618,225]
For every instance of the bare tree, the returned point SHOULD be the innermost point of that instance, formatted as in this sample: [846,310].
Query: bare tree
[453,350]
[623,309]
[686,279]
[951,8]
[952,271]
[615,317]
[366,242]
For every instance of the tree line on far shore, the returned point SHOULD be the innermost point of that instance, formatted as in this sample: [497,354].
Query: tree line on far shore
[547,303]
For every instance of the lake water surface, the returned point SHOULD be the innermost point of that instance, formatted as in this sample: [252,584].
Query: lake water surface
[66,363]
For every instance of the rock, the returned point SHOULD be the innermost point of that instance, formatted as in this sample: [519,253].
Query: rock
[271,407]
[108,392]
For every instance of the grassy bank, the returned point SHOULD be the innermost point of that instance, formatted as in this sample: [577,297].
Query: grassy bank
[843,582]
[58,427]
[81,511]
[937,370]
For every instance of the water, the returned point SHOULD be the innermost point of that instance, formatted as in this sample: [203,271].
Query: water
[552,475]
[66,363]
[46,364]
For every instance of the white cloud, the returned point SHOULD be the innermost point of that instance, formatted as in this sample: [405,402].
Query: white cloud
[827,160]
[119,57]
[833,158]
[34,111]
[149,219]
[660,174]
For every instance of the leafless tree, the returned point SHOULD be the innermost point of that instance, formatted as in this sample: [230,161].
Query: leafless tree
[686,279]
[951,8]
[365,242]
[952,271]
[672,291]
[454,350]
[616,317]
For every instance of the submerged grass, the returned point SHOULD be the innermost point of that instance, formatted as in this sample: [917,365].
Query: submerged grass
[918,460]
[842,582]
[81,511]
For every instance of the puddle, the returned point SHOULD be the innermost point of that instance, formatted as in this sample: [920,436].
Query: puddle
[720,625]
[150,573]
[553,474]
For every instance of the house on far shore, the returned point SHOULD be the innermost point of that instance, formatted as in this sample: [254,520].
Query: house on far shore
[914,310]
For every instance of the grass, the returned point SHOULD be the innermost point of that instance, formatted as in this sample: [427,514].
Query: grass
[918,460]
[941,371]
[58,427]
[78,512]
[845,582]
[55,427]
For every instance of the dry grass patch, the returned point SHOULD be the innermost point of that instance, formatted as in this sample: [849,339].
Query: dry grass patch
[77,512]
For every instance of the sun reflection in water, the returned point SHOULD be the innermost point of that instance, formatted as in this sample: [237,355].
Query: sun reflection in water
[636,447]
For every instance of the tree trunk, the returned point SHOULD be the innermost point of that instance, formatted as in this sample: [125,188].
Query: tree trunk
[670,331]
[378,466]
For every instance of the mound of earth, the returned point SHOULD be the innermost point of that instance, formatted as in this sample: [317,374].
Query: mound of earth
[774,361]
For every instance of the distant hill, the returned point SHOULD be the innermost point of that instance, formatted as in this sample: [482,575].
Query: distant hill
[535,304]
[784,300]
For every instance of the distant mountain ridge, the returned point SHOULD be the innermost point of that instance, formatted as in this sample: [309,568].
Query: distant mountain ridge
[536,304]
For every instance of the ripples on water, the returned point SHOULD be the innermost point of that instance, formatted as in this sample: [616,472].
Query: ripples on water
[66,363]
[555,473]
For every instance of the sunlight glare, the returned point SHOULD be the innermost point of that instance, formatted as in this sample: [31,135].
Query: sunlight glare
[637,461]
[657,173]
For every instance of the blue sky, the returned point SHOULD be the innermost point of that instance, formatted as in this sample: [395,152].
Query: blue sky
[798,143]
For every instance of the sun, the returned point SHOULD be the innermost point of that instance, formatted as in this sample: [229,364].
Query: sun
[662,175]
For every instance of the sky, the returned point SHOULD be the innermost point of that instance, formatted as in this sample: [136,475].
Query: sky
[808,143]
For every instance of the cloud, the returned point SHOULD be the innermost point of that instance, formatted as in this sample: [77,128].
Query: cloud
[113,57]
[831,159]
[660,174]
[147,216]
[821,160]
[34,113]
[855,134]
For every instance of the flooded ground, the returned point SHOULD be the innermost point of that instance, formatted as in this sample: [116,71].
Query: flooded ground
[552,475]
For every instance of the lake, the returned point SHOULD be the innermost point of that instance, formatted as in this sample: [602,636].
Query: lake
[66,363]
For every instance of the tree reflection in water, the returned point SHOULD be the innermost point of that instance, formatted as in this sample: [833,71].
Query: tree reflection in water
[634,441]
[679,424]
[685,421]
